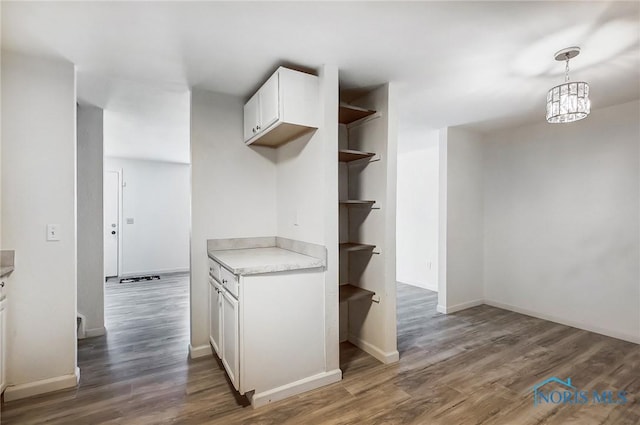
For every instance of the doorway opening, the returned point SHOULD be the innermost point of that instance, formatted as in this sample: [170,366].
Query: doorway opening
[112,196]
[417,234]
[139,138]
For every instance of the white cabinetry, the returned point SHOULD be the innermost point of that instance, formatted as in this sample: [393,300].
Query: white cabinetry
[283,109]
[252,117]
[270,101]
[230,337]
[224,319]
[262,110]
[271,331]
[215,314]
[3,376]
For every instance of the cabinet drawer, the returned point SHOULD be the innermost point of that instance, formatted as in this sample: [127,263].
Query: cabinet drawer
[214,269]
[230,281]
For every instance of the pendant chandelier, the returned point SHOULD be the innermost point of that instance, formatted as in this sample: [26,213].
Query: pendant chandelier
[569,101]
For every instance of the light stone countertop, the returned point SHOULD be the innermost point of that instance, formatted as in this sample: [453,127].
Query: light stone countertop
[263,260]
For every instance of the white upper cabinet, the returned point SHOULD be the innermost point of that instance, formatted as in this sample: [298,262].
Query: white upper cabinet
[283,109]
[269,102]
[251,117]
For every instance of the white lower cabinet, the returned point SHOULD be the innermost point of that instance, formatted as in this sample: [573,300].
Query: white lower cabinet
[215,315]
[268,330]
[3,377]
[230,338]
[224,328]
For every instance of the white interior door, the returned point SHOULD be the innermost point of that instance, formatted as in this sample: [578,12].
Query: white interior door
[111,222]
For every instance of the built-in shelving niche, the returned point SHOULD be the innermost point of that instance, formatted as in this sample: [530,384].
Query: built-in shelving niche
[353,292]
[366,248]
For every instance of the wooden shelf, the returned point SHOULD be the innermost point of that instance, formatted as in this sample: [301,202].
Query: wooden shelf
[357,203]
[351,293]
[349,113]
[348,155]
[350,246]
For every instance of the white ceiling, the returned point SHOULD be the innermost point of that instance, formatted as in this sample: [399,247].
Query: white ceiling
[483,64]
[140,120]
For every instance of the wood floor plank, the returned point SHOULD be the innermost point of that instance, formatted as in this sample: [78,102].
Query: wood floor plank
[475,366]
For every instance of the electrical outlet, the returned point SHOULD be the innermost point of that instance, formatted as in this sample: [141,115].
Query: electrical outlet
[129,220]
[53,232]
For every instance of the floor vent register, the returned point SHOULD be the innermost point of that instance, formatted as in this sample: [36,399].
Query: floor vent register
[139,279]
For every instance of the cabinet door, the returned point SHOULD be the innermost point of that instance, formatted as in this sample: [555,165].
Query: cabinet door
[251,117]
[230,337]
[269,102]
[214,316]
[2,347]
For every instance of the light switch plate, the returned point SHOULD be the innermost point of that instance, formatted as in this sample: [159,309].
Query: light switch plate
[129,220]
[53,232]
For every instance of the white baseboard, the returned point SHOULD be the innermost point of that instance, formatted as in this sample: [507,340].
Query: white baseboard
[150,272]
[83,332]
[200,351]
[90,333]
[371,349]
[458,307]
[607,332]
[294,388]
[15,392]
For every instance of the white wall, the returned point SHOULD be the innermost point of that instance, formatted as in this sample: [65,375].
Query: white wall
[90,219]
[233,191]
[38,187]
[562,221]
[461,222]
[300,180]
[417,210]
[307,197]
[329,100]
[156,195]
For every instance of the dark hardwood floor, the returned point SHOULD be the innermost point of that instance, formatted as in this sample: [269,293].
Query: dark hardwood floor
[477,366]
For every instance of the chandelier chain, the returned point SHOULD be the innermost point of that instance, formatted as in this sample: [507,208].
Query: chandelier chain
[566,70]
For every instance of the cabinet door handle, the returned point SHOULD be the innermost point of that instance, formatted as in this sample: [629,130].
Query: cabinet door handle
[254,130]
[224,280]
